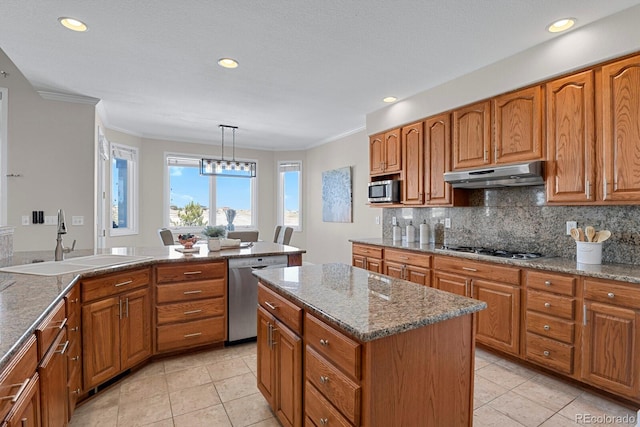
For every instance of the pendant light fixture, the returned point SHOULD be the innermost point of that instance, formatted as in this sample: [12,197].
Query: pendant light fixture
[234,168]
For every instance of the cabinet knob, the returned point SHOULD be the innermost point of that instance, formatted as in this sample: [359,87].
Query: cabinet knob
[324,379]
[546,353]
[611,295]
[546,327]
[324,421]
[76,391]
[324,343]
[547,282]
[547,305]
[75,358]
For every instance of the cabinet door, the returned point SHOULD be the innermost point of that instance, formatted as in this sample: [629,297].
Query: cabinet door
[413,161]
[376,154]
[571,139]
[438,159]
[288,353]
[359,261]
[621,133]
[26,411]
[517,123]
[610,348]
[472,136]
[451,283]
[101,341]
[53,379]
[419,275]
[498,325]
[394,269]
[135,328]
[375,265]
[266,359]
[392,151]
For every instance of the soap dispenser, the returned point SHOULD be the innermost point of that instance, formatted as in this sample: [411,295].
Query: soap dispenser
[411,233]
[397,233]
[424,233]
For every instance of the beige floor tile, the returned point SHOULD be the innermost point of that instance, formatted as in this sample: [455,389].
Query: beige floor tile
[227,369]
[523,371]
[236,387]
[486,416]
[271,422]
[96,417]
[485,391]
[207,417]
[104,399]
[559,421]
[550,393]
[187,378]
[252,362]
[193,399]
[163,423]
[140,412]
[521,409]
[146,386]
[180,363]
[486,355]
[481,363]
[150,370]
[502,376]
[248,410]
[589,405]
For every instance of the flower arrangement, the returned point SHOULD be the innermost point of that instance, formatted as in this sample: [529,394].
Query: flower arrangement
[214,231]
[187,240]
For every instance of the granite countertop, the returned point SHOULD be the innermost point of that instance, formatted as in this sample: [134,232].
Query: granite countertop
[622,272]
[366,305]
[26,299]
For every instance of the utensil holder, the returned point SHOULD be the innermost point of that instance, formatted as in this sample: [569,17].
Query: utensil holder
[589,252]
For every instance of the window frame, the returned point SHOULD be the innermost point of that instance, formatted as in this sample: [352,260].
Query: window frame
[132,189]
[212,195]
[281,201]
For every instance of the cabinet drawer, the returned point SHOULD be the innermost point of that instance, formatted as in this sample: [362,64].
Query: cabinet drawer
[15,378]
[320,411]
[367,251]
[550,353]
[72,302]
[191,290]
[482,270]
[550,327]
[286,311]
[191,271]
[612,293]
[190,310]
[337,348]
[554,305]
[555,283]
[49,328]
[335,386]
[191,334]
[406,257]
[113,284]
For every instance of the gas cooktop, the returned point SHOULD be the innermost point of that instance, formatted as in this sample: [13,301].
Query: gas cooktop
[500,253]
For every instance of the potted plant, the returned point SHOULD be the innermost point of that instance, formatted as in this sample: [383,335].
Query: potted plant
[214,233]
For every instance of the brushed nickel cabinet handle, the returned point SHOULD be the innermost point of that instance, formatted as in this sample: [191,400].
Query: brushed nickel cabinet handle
[192,292]
[14,397]
[75,329]
[62,323]
[469,269]
[75,358]
[546,353]
[324,379]
[191,273]
[76,391]
[271,306]
[404,257]
[324,421]
[64,347]
[546,327]
[192,312]
[547,283]
[324,343]
[126,282]
[611,295]
[547,305]
[196,334]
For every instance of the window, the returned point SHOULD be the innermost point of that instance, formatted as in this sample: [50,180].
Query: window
[124,189]
[196,200]
[289,194]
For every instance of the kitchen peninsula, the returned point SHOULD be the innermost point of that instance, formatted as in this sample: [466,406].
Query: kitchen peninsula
[377,351]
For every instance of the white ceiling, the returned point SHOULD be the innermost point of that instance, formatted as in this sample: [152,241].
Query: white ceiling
[309,70]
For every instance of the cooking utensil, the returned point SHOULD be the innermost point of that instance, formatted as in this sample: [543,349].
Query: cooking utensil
[590,232]
[603,235]
[575,234]
[581,234]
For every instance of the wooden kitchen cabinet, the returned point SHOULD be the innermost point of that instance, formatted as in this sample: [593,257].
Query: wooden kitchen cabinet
[413,162]
[571,140]
[385,153]
[26,410]
[367,257]
[19,386]
[53,388]
[116,330]
[437,131]
[611,335]
[74,353]
[472,136]
[408,265]
[280,356]
[620,133]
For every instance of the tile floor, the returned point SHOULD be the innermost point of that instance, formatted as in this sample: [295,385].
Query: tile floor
[218,388]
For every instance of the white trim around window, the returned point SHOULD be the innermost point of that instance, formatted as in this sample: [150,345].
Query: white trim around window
[283,167]
[130,155]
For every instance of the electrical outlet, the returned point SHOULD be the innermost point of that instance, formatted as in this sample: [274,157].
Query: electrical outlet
[77,220]
[447,223]
[378,220]
[570,225]
[394,220]
[50,220]
[25,220]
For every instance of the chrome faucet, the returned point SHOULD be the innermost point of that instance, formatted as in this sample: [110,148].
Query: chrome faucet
[62,229]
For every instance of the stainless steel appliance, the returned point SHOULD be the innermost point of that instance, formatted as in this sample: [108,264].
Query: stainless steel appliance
[243,294]
[387,191]
[498,176]
[500,253]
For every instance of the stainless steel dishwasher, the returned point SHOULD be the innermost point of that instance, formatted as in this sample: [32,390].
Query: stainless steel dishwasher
[243,294]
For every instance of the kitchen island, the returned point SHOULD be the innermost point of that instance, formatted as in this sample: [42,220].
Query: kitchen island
[377,351]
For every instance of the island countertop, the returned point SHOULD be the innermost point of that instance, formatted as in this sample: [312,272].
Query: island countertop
[364,304]
[26,299]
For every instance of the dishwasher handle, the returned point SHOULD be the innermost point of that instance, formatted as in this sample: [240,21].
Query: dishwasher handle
[259,267]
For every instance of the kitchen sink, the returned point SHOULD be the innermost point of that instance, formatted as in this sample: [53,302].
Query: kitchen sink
[74,265]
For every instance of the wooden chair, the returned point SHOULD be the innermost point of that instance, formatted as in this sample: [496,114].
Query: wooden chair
[166,236]
[244,236]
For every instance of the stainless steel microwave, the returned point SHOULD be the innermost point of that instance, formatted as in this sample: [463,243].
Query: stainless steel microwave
[384,191]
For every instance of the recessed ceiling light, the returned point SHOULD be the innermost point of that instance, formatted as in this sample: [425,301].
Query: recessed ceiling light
[390,99]
[228,63]
[561,25]
[73,24]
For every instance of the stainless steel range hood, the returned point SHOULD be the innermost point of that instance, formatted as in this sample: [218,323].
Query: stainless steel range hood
[498,176]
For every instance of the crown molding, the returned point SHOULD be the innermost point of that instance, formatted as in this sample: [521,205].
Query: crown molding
[66,97]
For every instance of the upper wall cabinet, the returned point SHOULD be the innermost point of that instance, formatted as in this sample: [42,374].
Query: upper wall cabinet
[570,137]
[385,153]
[437,131]
[472,136]
[517,125]
[413,161]
[621,132]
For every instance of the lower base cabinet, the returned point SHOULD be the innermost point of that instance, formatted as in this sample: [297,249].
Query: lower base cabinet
[26,411]
[53,387]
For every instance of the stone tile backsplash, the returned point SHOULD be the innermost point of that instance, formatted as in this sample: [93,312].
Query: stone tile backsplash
[518,219]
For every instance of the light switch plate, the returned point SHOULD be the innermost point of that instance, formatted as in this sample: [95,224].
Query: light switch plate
[25,220]
[50,220]
[77,220]
[447,223]
[570,225]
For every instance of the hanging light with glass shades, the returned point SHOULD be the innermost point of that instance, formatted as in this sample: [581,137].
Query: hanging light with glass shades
[234,168]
